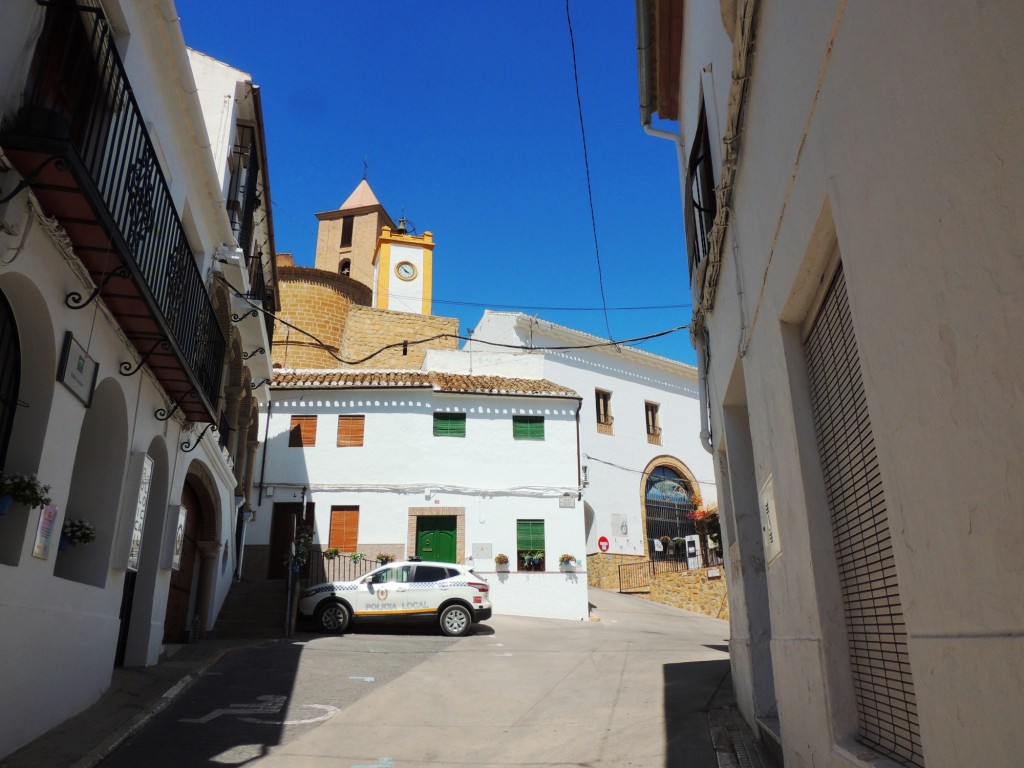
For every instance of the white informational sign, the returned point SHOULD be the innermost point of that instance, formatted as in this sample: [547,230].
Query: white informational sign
[482,551]
[77,370]
[179,538]
[769,521]
[140,514]
[45,531]
[620,525]
[566,501]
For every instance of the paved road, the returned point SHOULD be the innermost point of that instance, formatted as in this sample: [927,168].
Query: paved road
[632,689]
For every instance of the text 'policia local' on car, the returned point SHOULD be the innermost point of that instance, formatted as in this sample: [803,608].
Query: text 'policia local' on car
[452,594]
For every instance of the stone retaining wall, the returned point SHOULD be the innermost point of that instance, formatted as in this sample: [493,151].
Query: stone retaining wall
[693,591]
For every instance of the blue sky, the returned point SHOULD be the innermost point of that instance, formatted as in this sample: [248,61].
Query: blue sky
[466,115]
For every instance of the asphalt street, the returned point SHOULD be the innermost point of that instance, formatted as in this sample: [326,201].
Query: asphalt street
[632,689]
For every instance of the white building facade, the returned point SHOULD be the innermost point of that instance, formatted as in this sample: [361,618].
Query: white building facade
[118,354]
[444,466]
[851,175]
[639,426]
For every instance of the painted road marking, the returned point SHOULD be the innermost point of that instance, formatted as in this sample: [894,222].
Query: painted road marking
[270,705]
[328,713]
[364,679]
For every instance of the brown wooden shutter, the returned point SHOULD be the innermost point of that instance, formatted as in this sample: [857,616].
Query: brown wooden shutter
[350,430]
[344,529]
[303,432]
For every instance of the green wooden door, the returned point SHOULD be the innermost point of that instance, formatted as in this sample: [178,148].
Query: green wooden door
[435,538]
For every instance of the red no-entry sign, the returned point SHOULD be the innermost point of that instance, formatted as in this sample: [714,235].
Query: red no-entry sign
[602,543]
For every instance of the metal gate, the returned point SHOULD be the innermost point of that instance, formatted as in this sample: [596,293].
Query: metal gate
[876,632]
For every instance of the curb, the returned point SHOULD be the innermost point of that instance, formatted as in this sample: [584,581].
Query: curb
[96,755]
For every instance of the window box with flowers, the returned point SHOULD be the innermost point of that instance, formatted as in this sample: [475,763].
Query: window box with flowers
[76,532]
[23,489]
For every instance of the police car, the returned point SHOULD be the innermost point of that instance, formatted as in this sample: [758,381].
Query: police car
[451,594]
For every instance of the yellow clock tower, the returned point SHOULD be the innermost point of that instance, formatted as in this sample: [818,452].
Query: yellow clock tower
[403,270]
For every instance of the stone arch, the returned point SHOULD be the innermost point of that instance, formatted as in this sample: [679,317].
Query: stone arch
[96,483]
[36,381]
[668,466]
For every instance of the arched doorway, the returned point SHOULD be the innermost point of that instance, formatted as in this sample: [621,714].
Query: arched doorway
[669,501]
[184,568]
[10,374]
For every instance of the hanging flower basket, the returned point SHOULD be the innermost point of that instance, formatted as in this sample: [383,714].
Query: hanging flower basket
[76,532]
[24,489]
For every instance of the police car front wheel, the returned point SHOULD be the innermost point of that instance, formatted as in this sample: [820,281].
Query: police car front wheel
[332,617]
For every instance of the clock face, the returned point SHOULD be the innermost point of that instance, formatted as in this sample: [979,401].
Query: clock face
[405,270]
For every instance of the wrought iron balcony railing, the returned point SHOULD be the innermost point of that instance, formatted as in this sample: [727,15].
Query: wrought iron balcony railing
[81,142]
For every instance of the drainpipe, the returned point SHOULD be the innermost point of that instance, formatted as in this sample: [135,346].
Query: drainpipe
[579,472]
[699,337]
[263,461]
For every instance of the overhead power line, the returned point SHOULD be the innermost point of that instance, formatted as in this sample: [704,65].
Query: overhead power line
[586,164]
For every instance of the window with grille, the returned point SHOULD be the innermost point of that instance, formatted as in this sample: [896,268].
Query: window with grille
[346,231]
[449,425]
[653,423]
[701,208]
[303,432]
[344,535]
[350,431]
[876,632]
[603,403]
[530,545]
[528,427]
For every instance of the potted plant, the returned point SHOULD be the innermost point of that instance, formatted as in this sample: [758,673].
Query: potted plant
[567,559]
[76,532]
[501,562]
[384,558]
[332,553]
[24,489]
[303,541]
[356,557]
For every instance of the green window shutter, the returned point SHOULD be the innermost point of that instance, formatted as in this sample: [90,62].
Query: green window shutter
[449,425]
[530,534]
[528,427]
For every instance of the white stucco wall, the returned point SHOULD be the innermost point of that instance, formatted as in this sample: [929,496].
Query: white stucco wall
[617,461]
[494,478]
[893,131]
[60,613]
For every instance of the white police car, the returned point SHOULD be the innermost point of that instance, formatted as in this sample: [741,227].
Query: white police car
[451,594]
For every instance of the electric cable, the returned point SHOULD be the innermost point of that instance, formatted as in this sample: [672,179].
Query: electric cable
[586,163]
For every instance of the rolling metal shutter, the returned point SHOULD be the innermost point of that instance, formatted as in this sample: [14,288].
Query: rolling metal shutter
[883,685]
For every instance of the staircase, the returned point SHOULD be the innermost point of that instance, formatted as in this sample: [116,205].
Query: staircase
[252,609]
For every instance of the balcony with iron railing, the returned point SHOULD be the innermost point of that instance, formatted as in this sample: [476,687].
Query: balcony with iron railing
[80,142]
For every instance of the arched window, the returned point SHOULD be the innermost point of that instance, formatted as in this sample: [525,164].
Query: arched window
[10,374]
[345,267]
[668,500]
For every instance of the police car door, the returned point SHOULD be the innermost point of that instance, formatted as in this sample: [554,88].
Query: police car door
[385,591]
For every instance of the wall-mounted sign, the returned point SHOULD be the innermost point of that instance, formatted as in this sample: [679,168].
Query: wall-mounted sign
[135,549]
[77,370]
[179,538]
[45,530]
[714,573]
[769,521]
[603,543]
[482,551]
[566,501]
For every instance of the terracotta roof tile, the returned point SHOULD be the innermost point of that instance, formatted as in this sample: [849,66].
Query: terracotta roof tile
[439,382]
